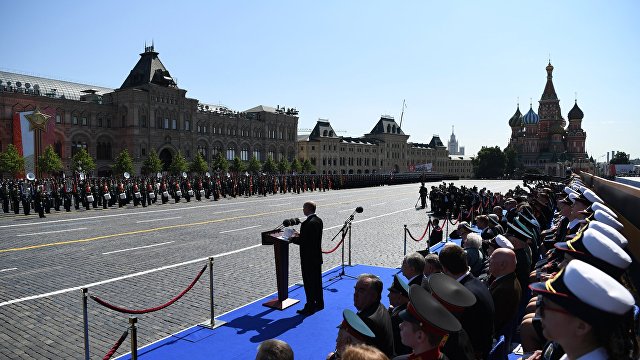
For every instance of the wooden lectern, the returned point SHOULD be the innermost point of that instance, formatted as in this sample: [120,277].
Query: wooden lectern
[281,252]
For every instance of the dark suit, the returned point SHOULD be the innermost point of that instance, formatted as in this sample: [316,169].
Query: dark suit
[310,242]
[398,347]
[477,320]
[378,320]
[506,293]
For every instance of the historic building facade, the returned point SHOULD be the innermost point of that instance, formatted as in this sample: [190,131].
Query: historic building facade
[452,145]
[384,149]
[544,141]
[149,111]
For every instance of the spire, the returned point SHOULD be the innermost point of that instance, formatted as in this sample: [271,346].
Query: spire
[549,91]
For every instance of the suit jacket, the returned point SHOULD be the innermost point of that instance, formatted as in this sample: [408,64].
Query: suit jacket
[378,320]
[398,347]
[310,241]
[506,293]
[477,320]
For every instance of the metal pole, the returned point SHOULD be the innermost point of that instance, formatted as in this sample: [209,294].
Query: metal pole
[85,318]
[134,337]
[211,291]
[349,243]
[446,235]
[405,240]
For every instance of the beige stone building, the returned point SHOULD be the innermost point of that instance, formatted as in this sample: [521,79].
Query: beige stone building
[383,150]
[149,111]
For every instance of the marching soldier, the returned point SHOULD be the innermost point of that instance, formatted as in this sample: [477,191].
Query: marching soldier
[38,201]
[105,194]
[25,195]
[4,196]
[177,193]
[15,198]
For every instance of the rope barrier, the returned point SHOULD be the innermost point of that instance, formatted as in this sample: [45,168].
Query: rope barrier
[115,347]
[144,311]
[335,248]
[454,222]
[421,237]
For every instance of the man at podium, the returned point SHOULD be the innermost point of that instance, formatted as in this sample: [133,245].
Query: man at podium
[310,241]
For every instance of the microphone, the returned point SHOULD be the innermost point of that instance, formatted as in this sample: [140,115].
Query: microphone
[359,209]
[291,222]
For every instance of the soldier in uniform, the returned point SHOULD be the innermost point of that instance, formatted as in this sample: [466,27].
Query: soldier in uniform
[15,198]
[38,200]
[4,196]
[423,195]
[25,195]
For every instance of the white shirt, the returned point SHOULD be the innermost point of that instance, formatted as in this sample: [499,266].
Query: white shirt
[597,354]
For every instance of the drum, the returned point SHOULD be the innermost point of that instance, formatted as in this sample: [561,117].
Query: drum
[90,198]
[190,192]
[107,196]
[178,193]
[202,193]
[137,195]
[123,196]
[152,196]
[165,194]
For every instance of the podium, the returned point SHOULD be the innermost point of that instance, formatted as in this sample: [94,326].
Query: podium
[281,253]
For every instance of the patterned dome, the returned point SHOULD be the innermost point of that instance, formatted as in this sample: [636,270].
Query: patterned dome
[530,117]
[516,119]
[576,113]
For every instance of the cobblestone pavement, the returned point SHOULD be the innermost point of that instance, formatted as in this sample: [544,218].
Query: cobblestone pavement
[140,258]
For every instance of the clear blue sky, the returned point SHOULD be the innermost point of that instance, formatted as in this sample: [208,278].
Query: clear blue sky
[462,63]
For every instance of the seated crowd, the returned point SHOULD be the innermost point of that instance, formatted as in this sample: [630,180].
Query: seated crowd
[547,269]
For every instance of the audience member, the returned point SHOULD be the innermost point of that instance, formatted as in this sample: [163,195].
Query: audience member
[363,352]
[505,288]
[475,256]
[435,236]
[413,267]
[432,265]
[352,331]
[274,349]
[398,300]
[366,298]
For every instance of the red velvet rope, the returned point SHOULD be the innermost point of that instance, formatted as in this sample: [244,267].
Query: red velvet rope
[421,237]
[456,221]
[335,248]
[116,345]
[144,311]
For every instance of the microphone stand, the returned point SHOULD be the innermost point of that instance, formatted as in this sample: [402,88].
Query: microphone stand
[346,229]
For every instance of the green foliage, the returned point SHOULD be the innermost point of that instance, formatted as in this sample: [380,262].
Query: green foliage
[178,164]
[307,167]
[283,166]
[152,164]
[11,162]
[237,165]
[219,163]
[490,163]
[269,166]
[49,162]
[82,161]
[254,165]
[123,163]
[199,164]
[296,166]
[511,161]
[620,157]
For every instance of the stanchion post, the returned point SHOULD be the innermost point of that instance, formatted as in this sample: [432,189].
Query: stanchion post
[446,235]
[405,240]
[212,323]
[349,243]
[134,337]
[85,319]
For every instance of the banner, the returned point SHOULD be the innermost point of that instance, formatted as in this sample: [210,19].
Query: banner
[24,137]
[424,167]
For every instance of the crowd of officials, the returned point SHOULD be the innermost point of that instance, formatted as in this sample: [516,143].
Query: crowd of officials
[24,195]
[544,265]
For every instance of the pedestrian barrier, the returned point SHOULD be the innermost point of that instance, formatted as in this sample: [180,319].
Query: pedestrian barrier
[133,320]
[426,230]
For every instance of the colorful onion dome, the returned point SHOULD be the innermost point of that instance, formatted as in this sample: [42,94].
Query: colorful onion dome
[530,117]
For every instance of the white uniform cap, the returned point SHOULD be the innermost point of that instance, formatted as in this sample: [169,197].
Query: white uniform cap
[569,190]
[613,234]
[591,196]
[604,217]
[597,289]
[599,206]
[503,242]
[573,197]
[600,246]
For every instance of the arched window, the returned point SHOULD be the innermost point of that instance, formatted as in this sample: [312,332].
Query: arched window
[388,128]
[324,133]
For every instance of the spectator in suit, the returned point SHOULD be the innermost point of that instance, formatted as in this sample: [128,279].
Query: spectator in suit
[505,288]
[436,232]
[274,349]
[398,300]
[310,241]
[366,298]
[412,268]
[477,320]
[475,255]
[432,265]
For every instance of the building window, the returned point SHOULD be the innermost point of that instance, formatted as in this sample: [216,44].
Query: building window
[231,153]
[76,146]
[58,148]
[174,124]
[165,124]
[256,154]
[143,151]
[123,121]
[84,121]
[270,154]
[99,122]
[75,120]
[187,125]
[244,154]
[108,122]
[143,121]
[58,119]
[103,151]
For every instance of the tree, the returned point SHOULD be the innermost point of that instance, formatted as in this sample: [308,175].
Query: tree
[236,165]
[511,161]
[620,157]
[307,167]
[49,162]
[283,166]
[199,164]
[178,164]
[123,163]
[219,163]
[11,161]
[152,164]
[490,163]
[269,166]
[82,161]
[254,165]
[296,166]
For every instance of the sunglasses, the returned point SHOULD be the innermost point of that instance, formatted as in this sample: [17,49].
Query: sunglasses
[543,307]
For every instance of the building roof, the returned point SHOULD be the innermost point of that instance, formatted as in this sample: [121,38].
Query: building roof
[322,129]
[356,140]
[575,113]
[516,119]
[460,158]
[261,108]
[39,86]
[530,118]
[436,142]
[549,91]
[387,125]
[149,69]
